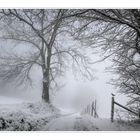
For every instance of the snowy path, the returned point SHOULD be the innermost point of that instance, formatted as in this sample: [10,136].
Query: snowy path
[76,122]
[73,122]
[44,117]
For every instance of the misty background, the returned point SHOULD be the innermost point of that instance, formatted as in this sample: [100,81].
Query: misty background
[75,92]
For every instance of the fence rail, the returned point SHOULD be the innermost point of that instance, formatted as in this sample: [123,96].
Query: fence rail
[113,103]
[91,109]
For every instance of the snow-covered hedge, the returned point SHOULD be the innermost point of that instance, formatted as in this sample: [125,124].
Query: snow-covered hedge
[26,117]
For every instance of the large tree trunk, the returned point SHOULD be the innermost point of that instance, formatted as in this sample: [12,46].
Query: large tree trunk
[45,92]
[45,67]
[45,87]
[46,78]
[46,63]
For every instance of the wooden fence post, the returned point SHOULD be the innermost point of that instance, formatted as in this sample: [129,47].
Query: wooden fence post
[95,115]
[139,114]
[112,108]
[92,108]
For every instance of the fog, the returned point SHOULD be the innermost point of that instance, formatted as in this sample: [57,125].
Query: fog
[76,92]
[74,95]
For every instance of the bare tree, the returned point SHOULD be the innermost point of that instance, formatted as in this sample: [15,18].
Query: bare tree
[117,33]
[45,31]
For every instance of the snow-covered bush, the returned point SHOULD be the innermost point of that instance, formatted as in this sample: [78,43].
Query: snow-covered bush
[26,117]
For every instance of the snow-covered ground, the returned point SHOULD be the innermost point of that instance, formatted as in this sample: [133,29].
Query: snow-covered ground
[41,116]
[76,122]
[26,116]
